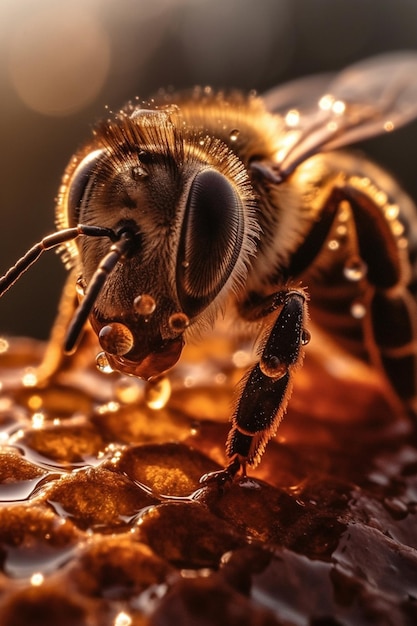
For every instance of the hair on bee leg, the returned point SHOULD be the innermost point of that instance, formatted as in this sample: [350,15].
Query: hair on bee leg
[267,387]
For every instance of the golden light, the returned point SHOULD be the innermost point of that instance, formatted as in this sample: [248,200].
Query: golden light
[59,58]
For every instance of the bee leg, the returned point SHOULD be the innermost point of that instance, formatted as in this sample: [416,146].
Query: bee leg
[391,324]
[222,477]
[55,360]
[53,357]
[267,388]
[394,327]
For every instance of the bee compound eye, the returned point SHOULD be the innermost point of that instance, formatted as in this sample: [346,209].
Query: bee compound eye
[211,240]
[78,184]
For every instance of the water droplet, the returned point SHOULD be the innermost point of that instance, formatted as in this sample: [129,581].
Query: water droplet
[38,420]
[123,619]
[234,134]
[139,172]
[344,214]
[273,367]
[157,393]
[102,364]
[392,211]
[358,310]
[355,269]
[364,182]
[397,228]
[292,118]
[144,304]
[116,338]
[305,337]
[29,378]
[326,102]
[36,579]
[80,286]
[333,244]
[185,264]
[178,322]
[338,107]
[129,390]
[381,197]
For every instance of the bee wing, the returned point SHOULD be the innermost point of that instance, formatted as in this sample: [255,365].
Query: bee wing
[301,94]
[367,99]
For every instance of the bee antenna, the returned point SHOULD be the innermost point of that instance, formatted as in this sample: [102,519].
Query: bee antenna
[47,243]
[97,282]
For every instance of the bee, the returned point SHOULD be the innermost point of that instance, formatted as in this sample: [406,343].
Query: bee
[205,203]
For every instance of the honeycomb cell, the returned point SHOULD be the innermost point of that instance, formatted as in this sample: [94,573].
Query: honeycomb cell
[98,499]
[187,535]
[167,469]
[63,445]
[119,568]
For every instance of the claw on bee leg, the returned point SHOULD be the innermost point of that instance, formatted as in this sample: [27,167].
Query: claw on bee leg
[226,475]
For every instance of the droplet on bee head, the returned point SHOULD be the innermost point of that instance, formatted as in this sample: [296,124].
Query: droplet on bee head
[234,134]
[139,172]
[273,367]
[144,304]
[355,269]
[102,364]
[178,322]
[116,338]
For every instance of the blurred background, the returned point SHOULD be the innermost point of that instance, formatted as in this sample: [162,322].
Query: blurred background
[62,62]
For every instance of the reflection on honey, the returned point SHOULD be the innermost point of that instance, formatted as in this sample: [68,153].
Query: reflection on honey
[104,521]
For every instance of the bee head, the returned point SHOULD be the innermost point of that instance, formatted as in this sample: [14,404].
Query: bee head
[187,206]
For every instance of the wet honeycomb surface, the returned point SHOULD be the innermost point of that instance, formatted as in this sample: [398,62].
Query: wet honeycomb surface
[104,520]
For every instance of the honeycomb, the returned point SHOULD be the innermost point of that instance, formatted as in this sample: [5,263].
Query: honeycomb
[104,520]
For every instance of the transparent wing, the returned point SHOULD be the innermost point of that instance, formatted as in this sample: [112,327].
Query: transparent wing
[301,94]
[369,98]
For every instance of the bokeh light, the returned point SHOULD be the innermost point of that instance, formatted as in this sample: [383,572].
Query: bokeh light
[59,59]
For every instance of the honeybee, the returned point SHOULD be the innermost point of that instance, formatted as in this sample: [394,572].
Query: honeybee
[203,203]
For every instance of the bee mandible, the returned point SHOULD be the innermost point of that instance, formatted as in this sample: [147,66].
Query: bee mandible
[202,203]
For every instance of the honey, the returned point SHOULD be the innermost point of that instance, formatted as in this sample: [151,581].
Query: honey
[104,520]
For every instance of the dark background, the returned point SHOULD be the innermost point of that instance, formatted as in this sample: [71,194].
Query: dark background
[60,66]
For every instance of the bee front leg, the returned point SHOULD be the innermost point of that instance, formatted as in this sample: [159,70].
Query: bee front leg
[54,356]
[267,387]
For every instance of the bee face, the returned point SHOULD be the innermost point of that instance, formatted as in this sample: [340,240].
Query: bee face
[188,210]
